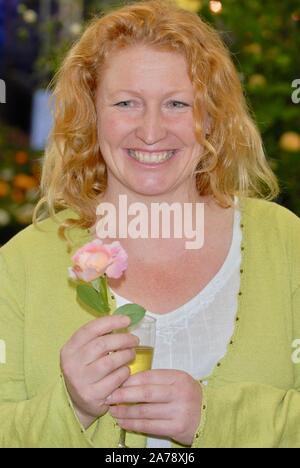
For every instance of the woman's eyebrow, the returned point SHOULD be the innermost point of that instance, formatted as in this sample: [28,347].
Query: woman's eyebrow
[138,93]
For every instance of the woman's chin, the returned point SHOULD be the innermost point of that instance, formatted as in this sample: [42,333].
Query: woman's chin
[150,190]
[149,185]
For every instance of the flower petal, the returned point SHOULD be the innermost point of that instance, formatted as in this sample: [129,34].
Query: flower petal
[72,274]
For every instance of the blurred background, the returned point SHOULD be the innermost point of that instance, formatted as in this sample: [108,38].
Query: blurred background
[263,36]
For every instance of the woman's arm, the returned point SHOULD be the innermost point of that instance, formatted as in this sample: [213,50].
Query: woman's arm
[240,415]
[48,419]
[246,414]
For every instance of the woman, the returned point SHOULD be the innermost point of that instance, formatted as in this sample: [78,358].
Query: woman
[149,106]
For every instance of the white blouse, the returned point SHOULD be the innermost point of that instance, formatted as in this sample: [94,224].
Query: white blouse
[194,337]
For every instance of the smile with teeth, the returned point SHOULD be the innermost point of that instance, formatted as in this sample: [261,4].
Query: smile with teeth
[152,158]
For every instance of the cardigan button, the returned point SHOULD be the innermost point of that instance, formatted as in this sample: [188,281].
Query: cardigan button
[241,270]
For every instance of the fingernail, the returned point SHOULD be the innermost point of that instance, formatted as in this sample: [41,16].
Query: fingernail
[137,340]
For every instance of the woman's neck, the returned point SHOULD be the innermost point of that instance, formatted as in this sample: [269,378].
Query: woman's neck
[151,238]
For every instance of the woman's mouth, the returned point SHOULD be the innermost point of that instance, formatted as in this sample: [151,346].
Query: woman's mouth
[151,158]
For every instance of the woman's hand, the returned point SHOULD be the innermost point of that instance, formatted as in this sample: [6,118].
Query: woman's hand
[167,403]
[93,363]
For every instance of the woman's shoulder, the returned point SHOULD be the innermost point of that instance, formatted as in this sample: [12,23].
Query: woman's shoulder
[42,237]
[273,222]
[269,215]
[270,225]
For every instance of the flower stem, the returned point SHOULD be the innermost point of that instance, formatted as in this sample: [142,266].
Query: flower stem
[103,283]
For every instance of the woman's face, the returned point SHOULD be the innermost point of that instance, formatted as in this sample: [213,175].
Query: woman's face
[145,121]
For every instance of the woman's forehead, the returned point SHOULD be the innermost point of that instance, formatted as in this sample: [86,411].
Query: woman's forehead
[144,56]
[140,67]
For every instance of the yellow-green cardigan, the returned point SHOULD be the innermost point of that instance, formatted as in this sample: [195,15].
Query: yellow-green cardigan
[252,398]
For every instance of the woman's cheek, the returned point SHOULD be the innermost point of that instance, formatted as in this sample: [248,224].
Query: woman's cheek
[112,128]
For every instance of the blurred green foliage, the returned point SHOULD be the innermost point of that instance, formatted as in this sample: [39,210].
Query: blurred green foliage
[264,38]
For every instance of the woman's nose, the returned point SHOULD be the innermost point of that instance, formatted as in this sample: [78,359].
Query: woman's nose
[152,127]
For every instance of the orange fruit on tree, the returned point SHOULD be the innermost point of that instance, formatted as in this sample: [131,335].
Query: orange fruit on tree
[25,182]
[4,188]
[21,157]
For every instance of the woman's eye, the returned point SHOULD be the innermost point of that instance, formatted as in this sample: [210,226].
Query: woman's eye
[178,104]
[171,104]
[124,104]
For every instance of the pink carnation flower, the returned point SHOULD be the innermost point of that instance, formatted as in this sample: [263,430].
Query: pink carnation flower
[95,258]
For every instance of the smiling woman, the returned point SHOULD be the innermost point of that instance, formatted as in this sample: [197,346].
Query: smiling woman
[149,145]
[149,109]
[122,52]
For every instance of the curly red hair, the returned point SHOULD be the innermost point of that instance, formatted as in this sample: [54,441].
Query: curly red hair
[233,163]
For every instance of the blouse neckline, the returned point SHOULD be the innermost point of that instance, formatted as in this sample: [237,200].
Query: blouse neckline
[207,294]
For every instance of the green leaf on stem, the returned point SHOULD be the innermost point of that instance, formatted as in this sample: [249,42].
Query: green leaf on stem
[96,284]
[92,298]
[134,311]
